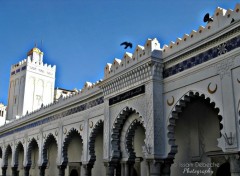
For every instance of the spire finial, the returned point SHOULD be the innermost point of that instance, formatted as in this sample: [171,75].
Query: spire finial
[35,45]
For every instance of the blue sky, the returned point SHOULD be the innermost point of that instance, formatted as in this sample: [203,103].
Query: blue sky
[81,36]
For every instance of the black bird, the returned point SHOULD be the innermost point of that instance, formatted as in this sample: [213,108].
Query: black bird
[207,18]
[232,20]
[127,44]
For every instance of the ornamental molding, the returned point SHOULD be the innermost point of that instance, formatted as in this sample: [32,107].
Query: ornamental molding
[224,67]
[151,69]
[57,116]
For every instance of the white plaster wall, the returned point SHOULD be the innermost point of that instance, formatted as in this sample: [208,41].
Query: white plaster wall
[99,168]
[196,133]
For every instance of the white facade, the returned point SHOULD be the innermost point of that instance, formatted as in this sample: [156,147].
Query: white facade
[170,111]
[3,112]
[31,85]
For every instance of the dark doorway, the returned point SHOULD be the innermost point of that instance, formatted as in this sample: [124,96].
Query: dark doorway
[74,172]
[224,170]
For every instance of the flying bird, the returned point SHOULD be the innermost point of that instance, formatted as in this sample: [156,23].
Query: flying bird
[127,44]
[207,18]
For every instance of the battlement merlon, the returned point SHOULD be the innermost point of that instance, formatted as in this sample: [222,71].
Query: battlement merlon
[34,59]
[150,49]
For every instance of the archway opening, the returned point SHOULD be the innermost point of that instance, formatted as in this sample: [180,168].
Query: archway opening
[196,133]
[131,146]
[74,172]
[33,154]
[8,160]
[224,170]
[19,159]
[72,150]
[50,155]
[96,150]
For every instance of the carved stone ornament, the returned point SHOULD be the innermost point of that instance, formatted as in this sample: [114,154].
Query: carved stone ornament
[81,127]
[56,132]
[65,131]
[170,103]
[91,124]
[212,91]
[224,67]
[238,80]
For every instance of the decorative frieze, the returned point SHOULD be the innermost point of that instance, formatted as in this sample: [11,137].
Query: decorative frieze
[205,56]
[152,68]
[127,95]
[56,116]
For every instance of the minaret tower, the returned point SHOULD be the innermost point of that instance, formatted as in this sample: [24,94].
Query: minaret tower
[31,85]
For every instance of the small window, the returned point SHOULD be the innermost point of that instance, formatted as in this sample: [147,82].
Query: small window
[24,68]
[15,100]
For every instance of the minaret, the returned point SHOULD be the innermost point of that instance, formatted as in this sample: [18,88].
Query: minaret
[31,85]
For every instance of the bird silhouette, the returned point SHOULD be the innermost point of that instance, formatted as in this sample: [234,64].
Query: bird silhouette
[127,44]
[207,18]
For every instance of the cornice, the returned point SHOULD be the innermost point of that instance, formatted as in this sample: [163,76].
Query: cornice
[151,68]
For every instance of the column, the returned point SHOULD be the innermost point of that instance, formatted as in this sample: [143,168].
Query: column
[4,171]
[166,167]
[155,168]
[61,170]
[109,169]
[87,169]
[124,168]
[235,165]
[42,170]
[26,170]
[14,171]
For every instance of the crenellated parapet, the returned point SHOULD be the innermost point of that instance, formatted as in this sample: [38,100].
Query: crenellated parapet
[151,48]
[221,19]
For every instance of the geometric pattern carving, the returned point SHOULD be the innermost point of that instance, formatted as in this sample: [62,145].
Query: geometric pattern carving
[182,103]
[98,128]
[49,140]
[57,116]
[116,132]
[205,56]
[129,138]
[73,132]
[33,144]
[8,151]
[18,149]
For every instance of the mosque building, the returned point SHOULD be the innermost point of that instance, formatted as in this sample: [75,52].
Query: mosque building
[159,111]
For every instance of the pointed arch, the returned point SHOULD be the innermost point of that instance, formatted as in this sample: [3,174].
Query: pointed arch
[33,143]
[8,151]
[177,109]
[73,132]
[129,138]
[19,147]
[96,129]
[50,138]
[116,132]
